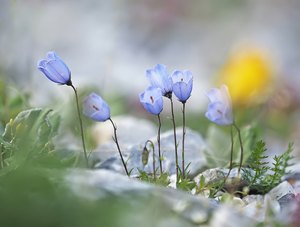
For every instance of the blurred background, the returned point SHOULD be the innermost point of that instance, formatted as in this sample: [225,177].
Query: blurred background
[250,45]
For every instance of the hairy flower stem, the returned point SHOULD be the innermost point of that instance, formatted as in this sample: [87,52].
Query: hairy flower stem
[81,126]
[183,138]
[158,143]
[175,140]
[153,157]
[241,144]
[115,138]
[231,154]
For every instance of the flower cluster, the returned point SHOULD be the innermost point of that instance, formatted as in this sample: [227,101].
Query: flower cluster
[180,83]
[94,106]
[162,84]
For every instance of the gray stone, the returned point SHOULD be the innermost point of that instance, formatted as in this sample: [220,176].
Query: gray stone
[190,210]
[294,179]
[259,207]
[217,175]
[211,175]
[230,216]
[130,131]
[281,190]
[253,198]
[194,154]
[293,176]
[286,200]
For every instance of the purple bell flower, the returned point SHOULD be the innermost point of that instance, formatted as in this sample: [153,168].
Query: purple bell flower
[152,100]
[96,108]
[182,85]
[55,69]
[159,77]
[220,108]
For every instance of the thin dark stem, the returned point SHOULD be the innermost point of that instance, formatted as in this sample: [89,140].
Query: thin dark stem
[158,143]
[183,137]
[1,156]
[175,140]
[153,163]
[153,157]
[241,144]
[116,141]
[81,126]
[231,153]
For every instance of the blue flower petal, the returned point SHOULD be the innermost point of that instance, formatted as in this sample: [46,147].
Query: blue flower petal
[55,69]
[182,84]
[96,108]
[159,77]
[219,109]
[152,100]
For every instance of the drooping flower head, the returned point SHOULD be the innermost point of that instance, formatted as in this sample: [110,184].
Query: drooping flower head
[152,100]
[96,108]
[159,77]
[182,85]
[220,108]
[55,69]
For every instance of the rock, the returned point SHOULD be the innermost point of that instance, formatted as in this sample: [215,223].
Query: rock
[286,200]
[114,163]
[172,181]
[160,203]
[229,216]
[194,154]
[255,210]
[293,177]
[217,174]
[281,190]
[253,198]
[295,214]
[234,181]
[259,207]
[194,151]
[211,175]
[130,131]
[294,180]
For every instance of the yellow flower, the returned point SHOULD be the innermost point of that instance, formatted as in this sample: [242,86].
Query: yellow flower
[248,75]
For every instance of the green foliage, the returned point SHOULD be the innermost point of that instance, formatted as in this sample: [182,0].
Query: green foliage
[28,137]
[28,154]
[257,164]
[184,183]
[36,196]
[279,166]
[33,187]
[262,177]
[219,143]
[209,189]
[12,101]
[162,180]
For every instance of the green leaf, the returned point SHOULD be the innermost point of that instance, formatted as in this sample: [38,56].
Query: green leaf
[219,144]
[260,180]
[202,182]
[29,136]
